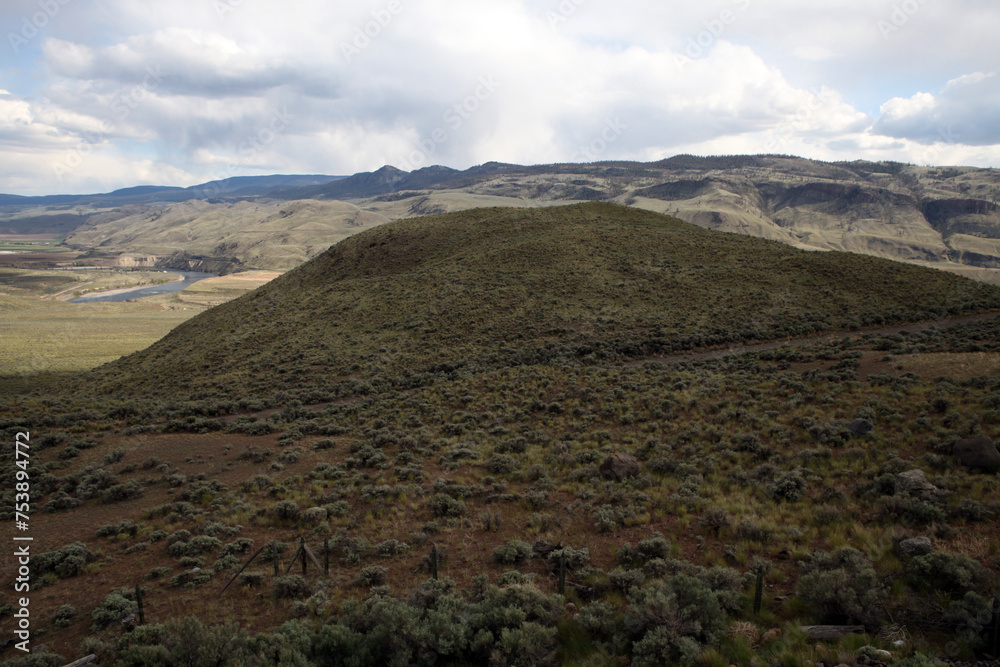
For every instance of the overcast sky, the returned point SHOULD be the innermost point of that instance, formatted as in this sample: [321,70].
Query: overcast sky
[101,94]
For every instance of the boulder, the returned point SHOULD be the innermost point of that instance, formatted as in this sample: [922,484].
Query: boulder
[860,427]
[978,453]
[315,515]
[913,481]
[915,546]
[619,467]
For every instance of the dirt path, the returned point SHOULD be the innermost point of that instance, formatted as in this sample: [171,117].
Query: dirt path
[827,337]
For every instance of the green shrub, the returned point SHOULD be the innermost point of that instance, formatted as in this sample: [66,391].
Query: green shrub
[116,606]
[286,510]
[529,645]
[338,508]
[843,586]
[391,548]
[191,578]
[573,559]
[130,490]
[194,547]
[500,464]
[655,546]
[370,576]
[64,562]
[290,586]
[910,511]
[64,616]
[670,620]
[789,486]
[952,573]
[237,547]
[514,551]
[443,505]
[625,580]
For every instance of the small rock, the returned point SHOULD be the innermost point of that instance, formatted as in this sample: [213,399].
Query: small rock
[620,467]
[860,427]
[915,546]
[913,481]
[794,533]
[978,453]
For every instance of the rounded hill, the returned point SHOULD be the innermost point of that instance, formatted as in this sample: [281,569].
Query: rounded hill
[486,288]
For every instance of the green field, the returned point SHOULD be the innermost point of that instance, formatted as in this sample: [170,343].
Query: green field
[41,334]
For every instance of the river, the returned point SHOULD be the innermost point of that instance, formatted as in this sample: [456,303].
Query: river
[190,278]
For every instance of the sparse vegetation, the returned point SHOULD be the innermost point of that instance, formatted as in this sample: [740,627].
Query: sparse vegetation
[485,467]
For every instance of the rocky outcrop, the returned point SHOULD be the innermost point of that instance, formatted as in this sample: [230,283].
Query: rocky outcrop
[915,546]
[977,453]
[860,427]
[619,467]
[913,481]
[185,262]
[135,260]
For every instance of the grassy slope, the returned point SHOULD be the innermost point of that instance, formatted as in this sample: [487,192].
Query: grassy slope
[276,235]
[491,287]
[715,438]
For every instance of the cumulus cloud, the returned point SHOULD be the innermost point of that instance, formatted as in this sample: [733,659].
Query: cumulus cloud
[963,113]
[190,90]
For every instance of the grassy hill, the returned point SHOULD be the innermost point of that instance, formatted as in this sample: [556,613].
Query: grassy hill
[453,385]
[489,288]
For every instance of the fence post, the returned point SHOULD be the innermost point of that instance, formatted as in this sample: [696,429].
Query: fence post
[274,546]
[562,573]
[302,554]
[138,601]
[758,594]
[995,634]
[434,561]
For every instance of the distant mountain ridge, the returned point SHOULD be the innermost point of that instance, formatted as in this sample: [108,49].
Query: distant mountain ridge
[148,194]
[945,216]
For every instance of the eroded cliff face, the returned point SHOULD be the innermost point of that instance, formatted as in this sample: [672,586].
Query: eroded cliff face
[131,260]
[185,262]
[947,216]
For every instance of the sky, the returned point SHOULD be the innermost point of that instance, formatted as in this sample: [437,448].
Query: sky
[97,95]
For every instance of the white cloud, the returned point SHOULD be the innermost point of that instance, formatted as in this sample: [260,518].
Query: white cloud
[176,89]
[964,112]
